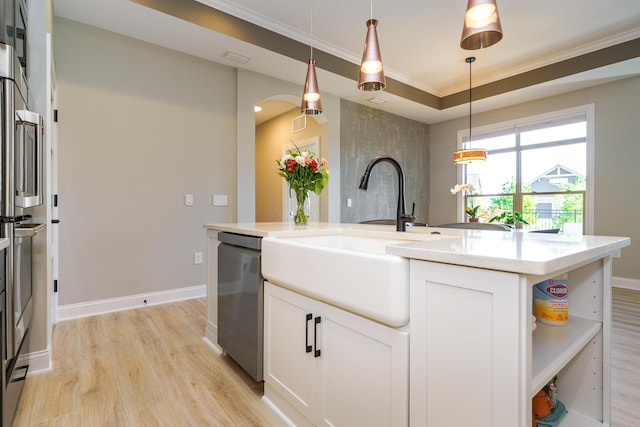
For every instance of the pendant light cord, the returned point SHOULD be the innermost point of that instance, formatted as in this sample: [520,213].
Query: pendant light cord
[470,98]
[311,25]
[470,61]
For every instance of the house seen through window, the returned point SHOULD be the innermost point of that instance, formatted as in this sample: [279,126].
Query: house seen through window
[537,168]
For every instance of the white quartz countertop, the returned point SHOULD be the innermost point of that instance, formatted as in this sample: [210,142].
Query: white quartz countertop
[520,252]
[514,251]
[268,229]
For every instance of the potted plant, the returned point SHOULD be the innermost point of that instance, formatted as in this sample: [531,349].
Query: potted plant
[472,213]
[509,218]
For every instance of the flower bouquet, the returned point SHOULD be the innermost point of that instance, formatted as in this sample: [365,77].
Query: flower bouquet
[304,172]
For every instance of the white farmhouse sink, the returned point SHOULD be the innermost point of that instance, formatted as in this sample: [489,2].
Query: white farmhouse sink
[349,271]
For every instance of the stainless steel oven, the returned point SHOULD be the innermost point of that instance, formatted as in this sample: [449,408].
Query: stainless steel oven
[21,187]
[3,316]
[28,159]
[23,287]
[13,28]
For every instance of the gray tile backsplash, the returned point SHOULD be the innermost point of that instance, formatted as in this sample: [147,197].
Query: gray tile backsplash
[366,133]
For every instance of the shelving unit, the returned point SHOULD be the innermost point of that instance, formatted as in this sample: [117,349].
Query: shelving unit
[472,346]
[555,346]
[579,351]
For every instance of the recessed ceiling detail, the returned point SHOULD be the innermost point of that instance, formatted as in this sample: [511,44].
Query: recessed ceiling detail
[216,20]
[419,42]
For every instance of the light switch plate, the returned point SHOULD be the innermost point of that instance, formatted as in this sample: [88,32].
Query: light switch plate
[220,200]
[188,199]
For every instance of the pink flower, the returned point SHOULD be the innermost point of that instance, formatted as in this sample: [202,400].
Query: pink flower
[324,162]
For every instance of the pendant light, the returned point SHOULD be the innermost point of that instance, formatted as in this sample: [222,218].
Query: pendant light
[468,154]
[311,104]
[371,71]
[481,25]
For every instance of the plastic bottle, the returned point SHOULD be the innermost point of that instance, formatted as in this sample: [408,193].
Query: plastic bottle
[550,302]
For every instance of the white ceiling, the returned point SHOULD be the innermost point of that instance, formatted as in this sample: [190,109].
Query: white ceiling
[419,41]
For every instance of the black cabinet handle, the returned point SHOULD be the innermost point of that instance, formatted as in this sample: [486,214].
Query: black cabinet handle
[315,336]
[306,334]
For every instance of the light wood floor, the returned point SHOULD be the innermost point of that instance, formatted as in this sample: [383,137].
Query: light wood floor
[149,367]
[143,367]
[625,359]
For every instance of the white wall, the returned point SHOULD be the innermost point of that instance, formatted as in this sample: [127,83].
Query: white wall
[140,126]
[617,148]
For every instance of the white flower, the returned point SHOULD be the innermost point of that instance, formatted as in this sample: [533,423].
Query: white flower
[462,187]
[300,160]
[282,163]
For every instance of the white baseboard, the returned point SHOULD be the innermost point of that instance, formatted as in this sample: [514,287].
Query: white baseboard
[212,345]
[274,408]
[39,362]
[92,308]
[622,282]
[211,337]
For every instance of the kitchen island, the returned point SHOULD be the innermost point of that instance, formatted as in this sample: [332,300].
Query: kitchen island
[473,357]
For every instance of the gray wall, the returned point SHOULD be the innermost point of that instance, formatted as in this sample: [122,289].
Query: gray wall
[366,133]
[617,148]
[140,126]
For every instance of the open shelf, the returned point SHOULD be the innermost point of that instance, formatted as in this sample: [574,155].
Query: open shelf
[554,346]
[576,419]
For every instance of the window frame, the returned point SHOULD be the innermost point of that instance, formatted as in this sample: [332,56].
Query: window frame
[509,126]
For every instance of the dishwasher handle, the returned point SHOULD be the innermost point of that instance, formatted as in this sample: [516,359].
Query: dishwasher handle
[241,240]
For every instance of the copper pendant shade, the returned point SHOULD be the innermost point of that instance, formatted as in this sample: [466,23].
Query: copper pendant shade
[467,155]
[371,71]
[311,103]
[481,25]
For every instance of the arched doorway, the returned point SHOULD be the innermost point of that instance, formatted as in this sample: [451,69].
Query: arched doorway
[279,125]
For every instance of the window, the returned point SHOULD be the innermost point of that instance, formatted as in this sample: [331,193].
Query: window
[539,167]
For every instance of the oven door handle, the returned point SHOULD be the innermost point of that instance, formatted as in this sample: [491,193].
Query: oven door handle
[26,116]
[15,379]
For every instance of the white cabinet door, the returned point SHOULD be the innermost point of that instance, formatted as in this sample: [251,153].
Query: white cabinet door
[364,372]
[334,367]
[468,338]
[289,363]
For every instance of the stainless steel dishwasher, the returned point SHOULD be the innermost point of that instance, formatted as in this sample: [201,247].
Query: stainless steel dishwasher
[240,300]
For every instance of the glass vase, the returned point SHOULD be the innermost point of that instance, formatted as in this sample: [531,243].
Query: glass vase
[300,206]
